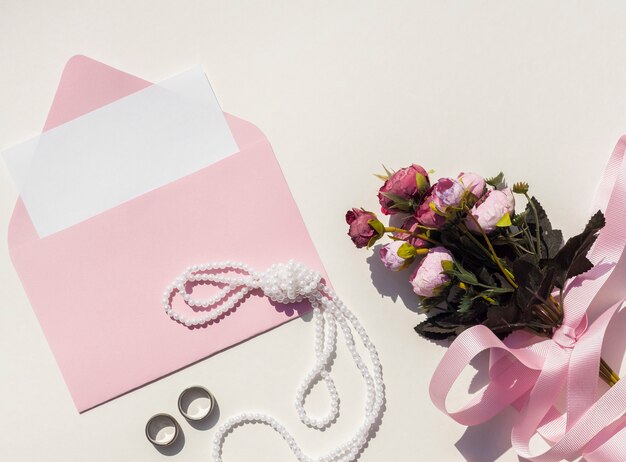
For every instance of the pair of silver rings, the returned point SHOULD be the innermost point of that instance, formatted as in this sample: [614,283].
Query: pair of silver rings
[194,403]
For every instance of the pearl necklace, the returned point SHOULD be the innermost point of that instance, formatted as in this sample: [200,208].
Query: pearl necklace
[290,283]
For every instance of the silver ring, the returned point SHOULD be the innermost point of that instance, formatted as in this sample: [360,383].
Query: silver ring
[162,430]
[196,403]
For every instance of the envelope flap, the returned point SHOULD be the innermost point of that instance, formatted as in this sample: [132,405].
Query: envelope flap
[86,85]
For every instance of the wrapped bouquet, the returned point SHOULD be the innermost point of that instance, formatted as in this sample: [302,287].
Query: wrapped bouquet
[472,259]
[500,279]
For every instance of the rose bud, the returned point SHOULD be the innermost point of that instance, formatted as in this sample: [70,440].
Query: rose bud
[365,229]
[447,193]
[398,255]
[473,183]
[493,210]
[428,278]
[426,216]
[402,189]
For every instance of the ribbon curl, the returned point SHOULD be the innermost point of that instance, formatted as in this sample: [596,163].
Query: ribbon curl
[531,374]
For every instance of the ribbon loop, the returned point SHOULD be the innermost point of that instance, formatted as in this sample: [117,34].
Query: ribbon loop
[566,336]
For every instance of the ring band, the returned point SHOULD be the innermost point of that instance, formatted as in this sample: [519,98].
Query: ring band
[162,430]
[196,403]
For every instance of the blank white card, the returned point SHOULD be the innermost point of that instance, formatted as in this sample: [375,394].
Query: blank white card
[120,151]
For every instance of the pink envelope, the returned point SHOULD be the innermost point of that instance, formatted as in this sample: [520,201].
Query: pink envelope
[96,286]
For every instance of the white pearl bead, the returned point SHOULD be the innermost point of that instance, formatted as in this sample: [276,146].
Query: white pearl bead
[288,283]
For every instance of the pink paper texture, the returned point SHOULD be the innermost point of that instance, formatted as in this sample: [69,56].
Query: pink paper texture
[96,286]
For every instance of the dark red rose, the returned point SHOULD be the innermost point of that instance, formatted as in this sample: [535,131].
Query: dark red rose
[402,185]
[361,230]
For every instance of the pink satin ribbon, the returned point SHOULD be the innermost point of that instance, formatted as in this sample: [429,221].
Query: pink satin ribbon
[532,374]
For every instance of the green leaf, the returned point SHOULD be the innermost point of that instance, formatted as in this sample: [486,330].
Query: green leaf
[464,275]
[467,277]
[572,259]
[447,265]
[404,206]
[528,277]
[422,182]
[466,302]
[497,181]
[541,214]
[431,303]
[392,197]
[434,208]
[498,291]
[399,202]
[504,222]
[504,283]
[445,325]
[454,294]
[503,320]
[377,226]
[407,251]
[386,176]
[485,277]
[552,242]
[373,240]
[551,239]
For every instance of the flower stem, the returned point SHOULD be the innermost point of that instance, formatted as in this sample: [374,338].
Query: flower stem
[393,229]
[475,241]
[496,259]
[607,374]
[557,305]
[545,314]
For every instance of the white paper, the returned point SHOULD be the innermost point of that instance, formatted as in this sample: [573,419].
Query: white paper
[120,151]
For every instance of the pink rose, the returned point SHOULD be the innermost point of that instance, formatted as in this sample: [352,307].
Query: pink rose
[428,277]
[473,183]
[426,216]
[402,185]
[447,193]
[361,231]
[389,256]
[494,205]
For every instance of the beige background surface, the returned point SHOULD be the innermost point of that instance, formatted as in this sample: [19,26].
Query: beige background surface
[535,88]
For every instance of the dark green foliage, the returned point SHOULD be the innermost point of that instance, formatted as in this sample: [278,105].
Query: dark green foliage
[479,291]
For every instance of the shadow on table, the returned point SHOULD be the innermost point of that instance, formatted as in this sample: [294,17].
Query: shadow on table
[175,448]
[392,284]
[489,441]
[481,443]
[203,424]
[208,422]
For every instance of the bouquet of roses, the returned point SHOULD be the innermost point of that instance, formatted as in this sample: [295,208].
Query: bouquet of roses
[475,260]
